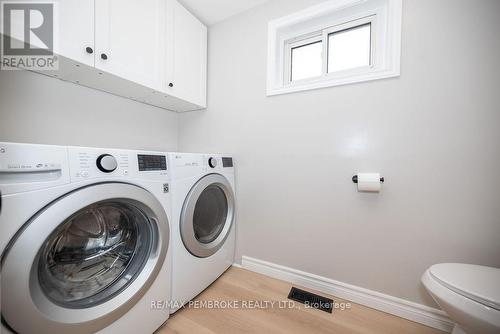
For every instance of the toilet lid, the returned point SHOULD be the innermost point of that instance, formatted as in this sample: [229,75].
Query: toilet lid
[479,283]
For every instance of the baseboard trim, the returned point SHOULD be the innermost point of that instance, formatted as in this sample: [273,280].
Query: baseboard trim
[393,305]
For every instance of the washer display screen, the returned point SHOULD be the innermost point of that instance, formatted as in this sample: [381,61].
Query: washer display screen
[151,162]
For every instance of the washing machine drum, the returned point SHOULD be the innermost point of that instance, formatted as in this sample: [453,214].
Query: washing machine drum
[85,260]
[207,215]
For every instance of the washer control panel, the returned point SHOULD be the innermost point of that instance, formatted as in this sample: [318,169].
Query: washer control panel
[91,163]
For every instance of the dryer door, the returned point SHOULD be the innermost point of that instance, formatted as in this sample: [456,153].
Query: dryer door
[207,215]
[84,260]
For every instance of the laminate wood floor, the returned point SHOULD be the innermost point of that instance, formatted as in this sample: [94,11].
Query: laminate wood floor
[248,291]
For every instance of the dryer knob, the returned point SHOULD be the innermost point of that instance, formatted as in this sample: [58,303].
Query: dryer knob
[106,163]
[212,162]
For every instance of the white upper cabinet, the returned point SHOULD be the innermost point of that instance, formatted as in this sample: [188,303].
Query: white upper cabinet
[129,39]
[186,55]
[76,30]
[151,51]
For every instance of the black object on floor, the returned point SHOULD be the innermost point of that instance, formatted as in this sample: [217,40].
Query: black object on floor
[311,300]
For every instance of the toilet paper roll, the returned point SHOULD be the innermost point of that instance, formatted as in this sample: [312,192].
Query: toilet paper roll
[369,182]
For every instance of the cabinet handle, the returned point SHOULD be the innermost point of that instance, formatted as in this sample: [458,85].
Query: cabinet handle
[170,85]
[89,50]
[104,56]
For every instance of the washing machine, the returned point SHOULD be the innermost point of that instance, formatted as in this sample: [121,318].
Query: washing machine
[203,222]
[84,240]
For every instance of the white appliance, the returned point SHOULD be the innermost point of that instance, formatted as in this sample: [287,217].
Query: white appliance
[84,239]
[203,219]
[469,294]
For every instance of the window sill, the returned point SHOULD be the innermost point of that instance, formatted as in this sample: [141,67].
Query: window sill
[333,81]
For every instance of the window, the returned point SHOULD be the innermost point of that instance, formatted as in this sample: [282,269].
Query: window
[349,48]
[306,60]
[333,44]
[346,46]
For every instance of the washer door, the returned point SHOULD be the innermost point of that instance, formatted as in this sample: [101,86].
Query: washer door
[85,260]
[207,215]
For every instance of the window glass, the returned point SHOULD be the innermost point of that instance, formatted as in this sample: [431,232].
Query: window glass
[349,48]
[306,61]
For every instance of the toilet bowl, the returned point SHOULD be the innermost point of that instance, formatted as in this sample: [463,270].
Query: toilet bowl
[469,294]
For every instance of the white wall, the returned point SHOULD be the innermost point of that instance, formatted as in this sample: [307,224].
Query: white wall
[434,133]
[43,110]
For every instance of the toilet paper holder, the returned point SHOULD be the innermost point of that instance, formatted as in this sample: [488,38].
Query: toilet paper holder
[355,179]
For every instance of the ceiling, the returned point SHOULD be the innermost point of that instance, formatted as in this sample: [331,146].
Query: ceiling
[214,11]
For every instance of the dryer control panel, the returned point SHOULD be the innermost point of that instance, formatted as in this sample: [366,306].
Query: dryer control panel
[218,162]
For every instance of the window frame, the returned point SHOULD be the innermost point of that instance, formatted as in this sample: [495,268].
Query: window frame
[317,23]
[323,36]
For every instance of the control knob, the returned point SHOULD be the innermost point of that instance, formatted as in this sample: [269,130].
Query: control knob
[212,162]
[106,163]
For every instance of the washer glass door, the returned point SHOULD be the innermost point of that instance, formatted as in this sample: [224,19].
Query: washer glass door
[95,253]
[207,215]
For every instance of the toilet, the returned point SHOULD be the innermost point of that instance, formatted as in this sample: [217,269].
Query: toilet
[469,294]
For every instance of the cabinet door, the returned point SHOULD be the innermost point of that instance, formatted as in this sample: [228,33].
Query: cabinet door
[73,29]
[76,30]
[130,37]
[187,56]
